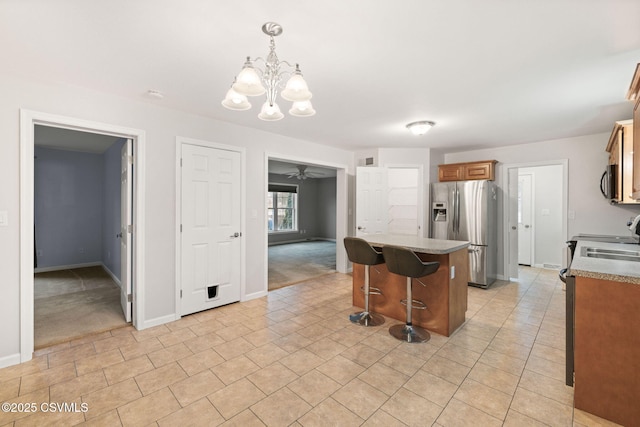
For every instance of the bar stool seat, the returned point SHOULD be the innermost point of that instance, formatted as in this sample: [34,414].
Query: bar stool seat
[404,262]
[360,251]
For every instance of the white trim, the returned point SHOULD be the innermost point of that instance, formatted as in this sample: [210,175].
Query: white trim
[181,140]
[113,276]
[159,321]
[504,182]
[28,120]
[12,359]
[255,295]
[66,267]
[342,206]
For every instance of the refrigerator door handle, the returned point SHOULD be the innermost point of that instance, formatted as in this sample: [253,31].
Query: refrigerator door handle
[456,212]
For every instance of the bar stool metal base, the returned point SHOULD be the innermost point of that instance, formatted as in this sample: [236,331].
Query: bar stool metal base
[365,318]
[409,333]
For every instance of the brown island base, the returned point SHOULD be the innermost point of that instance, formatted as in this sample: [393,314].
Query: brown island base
[444,293]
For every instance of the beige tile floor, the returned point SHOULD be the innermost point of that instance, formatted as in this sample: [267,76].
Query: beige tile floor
[293,358]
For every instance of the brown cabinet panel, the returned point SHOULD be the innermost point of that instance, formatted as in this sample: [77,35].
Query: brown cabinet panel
[607,349]
[634,95]
[620,148]
[450,173]
[484,169]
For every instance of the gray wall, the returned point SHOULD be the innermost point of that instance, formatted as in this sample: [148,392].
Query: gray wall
[68,207]
[111,197]
[326,208]
[77,207]
[316,209]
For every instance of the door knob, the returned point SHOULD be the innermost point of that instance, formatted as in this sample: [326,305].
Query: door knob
[234,235]
[513,227]
[526,226]
[361,228]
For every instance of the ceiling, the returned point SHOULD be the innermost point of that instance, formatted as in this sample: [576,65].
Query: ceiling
[489,73]
[284,168]
[72,140]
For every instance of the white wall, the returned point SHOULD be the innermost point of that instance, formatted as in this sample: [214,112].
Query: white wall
[587,158]
[161,126]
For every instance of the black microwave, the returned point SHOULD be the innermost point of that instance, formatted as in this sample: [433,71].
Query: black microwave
[608,183]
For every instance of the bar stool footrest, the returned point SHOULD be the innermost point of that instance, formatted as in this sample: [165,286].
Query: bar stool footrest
[417,304]
[372,290]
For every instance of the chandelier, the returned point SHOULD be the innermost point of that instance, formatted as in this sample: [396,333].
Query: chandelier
[255,81]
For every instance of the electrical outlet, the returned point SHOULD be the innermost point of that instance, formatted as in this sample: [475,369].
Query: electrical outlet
[39,252]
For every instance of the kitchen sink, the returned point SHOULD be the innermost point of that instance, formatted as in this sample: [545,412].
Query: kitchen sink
[617,254]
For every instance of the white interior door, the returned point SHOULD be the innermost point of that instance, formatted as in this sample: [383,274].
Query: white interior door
[512,212]
[211,236]
[126,227]
[371,200]
[404,201]
[525,219]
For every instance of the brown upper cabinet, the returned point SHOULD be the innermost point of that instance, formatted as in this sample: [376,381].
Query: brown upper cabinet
[484,169]
[634,95]
[620,149]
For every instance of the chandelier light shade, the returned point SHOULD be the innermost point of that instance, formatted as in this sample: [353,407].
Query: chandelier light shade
[255,81]
[235,101]
[421,127]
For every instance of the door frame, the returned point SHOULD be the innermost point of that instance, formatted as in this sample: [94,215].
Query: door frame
[28,120]
[180,141]
[342,207]
[511,251]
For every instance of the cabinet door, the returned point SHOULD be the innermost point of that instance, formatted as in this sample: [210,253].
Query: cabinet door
[450,173]
[477,171]
[636,150]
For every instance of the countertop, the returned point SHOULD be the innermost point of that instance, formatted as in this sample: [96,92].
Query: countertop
[416,244]
[605,269]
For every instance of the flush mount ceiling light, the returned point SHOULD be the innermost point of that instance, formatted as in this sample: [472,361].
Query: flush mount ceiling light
[255,81]
[421,127]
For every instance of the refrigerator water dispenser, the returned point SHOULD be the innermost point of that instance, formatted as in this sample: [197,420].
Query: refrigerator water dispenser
[439,211]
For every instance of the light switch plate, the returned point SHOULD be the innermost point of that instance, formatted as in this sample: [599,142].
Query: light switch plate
[453,271]
[4,219]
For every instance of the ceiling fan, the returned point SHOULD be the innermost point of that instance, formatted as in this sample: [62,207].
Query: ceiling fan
[302,173]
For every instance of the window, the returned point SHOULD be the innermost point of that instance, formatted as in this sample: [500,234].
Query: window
[282,208]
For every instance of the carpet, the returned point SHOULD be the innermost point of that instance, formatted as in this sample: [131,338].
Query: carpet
[69,304]
[296,262]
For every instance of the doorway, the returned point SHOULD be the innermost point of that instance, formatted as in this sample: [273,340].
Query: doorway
[304,238]
[544,211]
[77,262]
[28,122]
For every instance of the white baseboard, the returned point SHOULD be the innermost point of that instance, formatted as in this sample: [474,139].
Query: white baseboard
[158,321]
[113,276]
[254,295]
[66,267]
[10,360]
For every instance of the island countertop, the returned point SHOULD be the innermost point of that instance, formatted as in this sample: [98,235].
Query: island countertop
[416,244]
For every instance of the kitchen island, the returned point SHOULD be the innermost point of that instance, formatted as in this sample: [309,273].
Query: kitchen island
[444,293]
[606,342]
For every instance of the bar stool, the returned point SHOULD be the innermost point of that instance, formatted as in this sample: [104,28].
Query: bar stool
[405,262]
[360,251]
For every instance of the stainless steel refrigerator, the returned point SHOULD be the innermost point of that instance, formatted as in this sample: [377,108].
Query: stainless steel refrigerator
[466,210]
